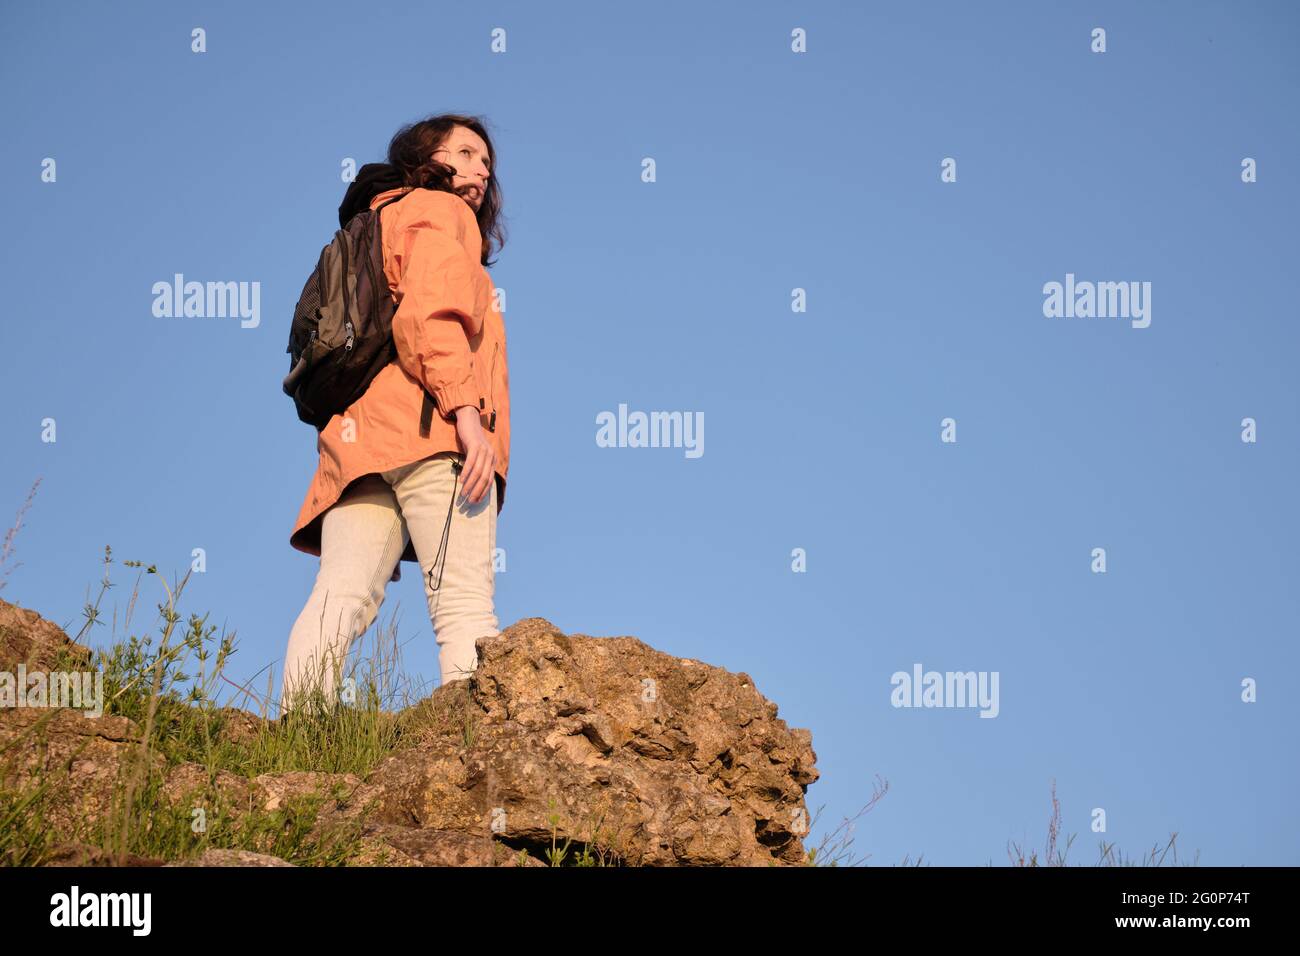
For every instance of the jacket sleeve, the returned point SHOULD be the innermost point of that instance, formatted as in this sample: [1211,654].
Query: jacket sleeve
[441,298]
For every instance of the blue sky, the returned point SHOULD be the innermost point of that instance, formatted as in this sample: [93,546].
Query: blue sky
[774,171]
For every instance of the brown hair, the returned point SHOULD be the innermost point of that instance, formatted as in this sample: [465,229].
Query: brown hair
[411,152]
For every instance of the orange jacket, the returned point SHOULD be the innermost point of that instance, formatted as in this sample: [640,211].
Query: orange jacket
[451,344]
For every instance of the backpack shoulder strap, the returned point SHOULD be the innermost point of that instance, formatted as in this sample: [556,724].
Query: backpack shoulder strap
[396,198]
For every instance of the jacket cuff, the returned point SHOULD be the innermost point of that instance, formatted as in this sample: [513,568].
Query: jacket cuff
[452,397]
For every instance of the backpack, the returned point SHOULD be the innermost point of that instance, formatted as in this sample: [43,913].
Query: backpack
[342,331]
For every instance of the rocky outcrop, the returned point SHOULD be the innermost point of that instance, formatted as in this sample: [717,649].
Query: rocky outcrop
[641,757]
[27,638]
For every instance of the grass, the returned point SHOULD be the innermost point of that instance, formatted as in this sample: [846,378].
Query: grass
[834,848]
[7,567]
[168,684]
[1108,855]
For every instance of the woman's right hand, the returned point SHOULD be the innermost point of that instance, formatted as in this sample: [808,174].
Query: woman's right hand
[480,459]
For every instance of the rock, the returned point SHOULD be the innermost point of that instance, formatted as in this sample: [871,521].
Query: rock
[417,846]
[79,854]
[677,764]
[213,857]
[239,726]
[84,756]
[642,757]
[28,638]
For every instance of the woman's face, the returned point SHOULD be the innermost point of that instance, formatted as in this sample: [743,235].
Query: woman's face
[465,151]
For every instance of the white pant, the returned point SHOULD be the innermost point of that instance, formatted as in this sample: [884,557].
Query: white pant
[363,536]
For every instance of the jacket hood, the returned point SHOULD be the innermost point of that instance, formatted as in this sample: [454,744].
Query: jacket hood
[372,179]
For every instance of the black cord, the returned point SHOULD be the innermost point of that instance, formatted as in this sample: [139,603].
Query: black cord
[446,529]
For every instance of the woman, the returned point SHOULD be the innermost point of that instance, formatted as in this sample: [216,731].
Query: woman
[435,417]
